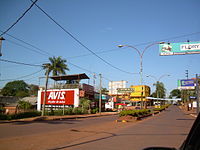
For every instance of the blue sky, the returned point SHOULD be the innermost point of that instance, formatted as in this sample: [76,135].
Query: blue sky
[101,25]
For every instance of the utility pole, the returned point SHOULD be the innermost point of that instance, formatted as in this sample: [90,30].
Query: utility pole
[94,77]
[187,92]
[46,84]
[197,92]
[100,94]
[1,39]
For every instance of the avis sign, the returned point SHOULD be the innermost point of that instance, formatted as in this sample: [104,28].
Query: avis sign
[58,97]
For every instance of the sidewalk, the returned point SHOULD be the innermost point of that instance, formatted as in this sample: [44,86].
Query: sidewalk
[45,118]
[192,112]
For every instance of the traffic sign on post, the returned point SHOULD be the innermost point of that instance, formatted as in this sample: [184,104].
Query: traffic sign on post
[125,90]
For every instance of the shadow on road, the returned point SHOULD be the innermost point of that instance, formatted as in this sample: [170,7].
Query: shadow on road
[184,119]
[111,135]
[63,121]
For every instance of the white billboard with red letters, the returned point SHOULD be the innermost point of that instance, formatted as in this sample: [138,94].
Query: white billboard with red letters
[59,97]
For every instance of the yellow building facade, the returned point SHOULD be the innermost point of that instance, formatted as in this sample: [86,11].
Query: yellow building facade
[140,93]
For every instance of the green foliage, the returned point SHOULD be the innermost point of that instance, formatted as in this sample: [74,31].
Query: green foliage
[22,94]
[175,93]
[24,105]
[104,91]
[20,115]
[95,110]
[135,113]
[2,110]
[68,111]
[77,111]
[57,66]
[160,90]
[85,103]
[15,88]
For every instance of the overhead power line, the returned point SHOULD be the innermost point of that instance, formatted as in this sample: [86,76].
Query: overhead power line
[78,41]
[31,45]
[20,63]
[170,38]
[19,18]
[22,76]
[43,52]
[27,48]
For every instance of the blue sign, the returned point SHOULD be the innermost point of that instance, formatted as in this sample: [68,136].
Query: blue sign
[187,82]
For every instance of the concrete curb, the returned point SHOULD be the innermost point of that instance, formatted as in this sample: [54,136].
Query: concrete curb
[49,118]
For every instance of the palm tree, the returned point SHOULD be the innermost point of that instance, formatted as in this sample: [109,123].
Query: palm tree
[57,66]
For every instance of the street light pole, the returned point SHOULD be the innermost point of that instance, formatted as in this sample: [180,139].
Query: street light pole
[100,93]
[141,54]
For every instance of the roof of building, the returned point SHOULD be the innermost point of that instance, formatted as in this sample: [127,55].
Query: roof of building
[70,77]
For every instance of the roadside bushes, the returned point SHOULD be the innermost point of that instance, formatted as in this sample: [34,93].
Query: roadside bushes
[20,115]
[2,110]
[68,111]
[135,113]
[95,110]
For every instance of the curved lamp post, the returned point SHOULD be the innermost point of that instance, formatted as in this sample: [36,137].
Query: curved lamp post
[141,54]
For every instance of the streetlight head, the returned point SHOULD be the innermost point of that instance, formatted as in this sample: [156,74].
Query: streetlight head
[1,38]
[120,46]
[162,43]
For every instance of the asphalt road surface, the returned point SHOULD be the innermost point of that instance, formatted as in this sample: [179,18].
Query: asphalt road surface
[169,128]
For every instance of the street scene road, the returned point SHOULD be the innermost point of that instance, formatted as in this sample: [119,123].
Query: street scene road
[169,128]
[99,75]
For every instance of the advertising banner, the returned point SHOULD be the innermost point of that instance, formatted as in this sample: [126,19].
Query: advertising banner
[186,84]
[58,97]
[179,48]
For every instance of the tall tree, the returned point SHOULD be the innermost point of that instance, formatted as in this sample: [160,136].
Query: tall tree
[160,90]
[57,66]
[175,93]
[15,88]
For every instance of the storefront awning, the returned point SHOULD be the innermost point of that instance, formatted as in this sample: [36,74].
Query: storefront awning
[70,77]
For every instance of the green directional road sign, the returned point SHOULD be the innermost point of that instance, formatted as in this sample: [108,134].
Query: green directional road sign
[125,90]
[179,48]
